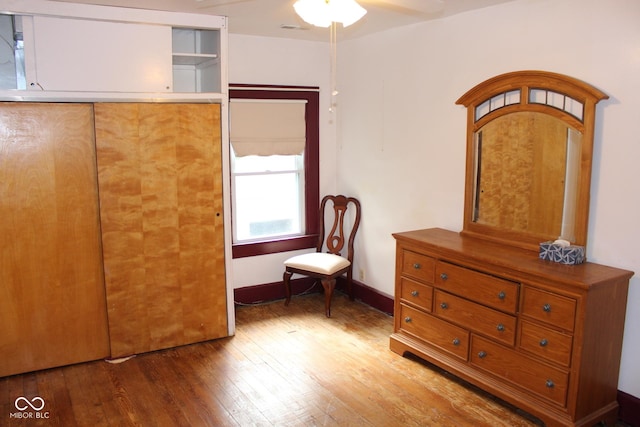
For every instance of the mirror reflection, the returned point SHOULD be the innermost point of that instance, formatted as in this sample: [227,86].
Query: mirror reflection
[527,167]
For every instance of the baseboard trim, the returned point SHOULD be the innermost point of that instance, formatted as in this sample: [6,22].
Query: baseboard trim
[369,296]
[275,291]
[629,412]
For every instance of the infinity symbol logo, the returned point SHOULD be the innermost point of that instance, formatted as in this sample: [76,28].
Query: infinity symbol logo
[28,403]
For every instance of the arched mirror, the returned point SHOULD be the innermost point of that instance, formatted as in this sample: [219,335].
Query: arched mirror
[529,150]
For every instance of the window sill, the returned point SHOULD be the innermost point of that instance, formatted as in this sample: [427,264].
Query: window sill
[243,250]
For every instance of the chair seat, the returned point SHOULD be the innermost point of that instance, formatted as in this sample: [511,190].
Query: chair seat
[318,262]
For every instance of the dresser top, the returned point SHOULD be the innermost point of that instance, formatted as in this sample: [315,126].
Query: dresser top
[507,261]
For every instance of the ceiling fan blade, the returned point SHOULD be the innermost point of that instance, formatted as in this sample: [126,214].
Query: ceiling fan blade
[205,4]
[408,6]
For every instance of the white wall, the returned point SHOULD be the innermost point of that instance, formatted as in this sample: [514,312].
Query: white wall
[401,138]
[276,61]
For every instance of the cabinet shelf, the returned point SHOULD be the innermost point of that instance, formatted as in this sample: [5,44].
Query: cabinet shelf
[193,58]
[196,60]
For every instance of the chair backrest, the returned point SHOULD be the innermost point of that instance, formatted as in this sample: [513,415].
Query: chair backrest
[339,233]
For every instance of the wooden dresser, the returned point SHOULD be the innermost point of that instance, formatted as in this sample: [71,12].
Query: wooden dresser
[543,336]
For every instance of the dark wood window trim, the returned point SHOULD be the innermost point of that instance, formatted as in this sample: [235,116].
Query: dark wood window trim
[311,166]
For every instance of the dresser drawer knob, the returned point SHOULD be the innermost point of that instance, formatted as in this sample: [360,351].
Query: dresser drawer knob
[444,305]
[502,295]
[456,341]
[407,319]
[415,293]
[547,308]
[500,327]
[416,266]
[543,342]
[550,384]
[482,354]
[444,276]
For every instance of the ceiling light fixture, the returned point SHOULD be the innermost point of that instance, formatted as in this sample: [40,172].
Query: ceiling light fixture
[325,13]
[322,13]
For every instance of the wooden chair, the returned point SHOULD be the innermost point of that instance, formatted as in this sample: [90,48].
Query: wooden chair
[327,266]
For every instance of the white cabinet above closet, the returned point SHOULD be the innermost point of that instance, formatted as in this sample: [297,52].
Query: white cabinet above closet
[78,51]
[87,55]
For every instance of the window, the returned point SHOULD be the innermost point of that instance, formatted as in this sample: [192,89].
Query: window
[268,196]
[274,168]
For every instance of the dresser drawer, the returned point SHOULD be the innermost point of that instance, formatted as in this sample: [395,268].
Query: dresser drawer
[554,309]
[438,333]
[418,266]
[543,380]
[545,342]
[483,288]
[416,293]
[478,318]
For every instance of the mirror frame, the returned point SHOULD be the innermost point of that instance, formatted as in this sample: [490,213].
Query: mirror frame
[524,82]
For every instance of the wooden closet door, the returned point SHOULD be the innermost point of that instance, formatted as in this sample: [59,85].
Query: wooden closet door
[159,174]
[52,300]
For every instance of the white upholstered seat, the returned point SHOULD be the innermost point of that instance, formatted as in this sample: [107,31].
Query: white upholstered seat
[318,262]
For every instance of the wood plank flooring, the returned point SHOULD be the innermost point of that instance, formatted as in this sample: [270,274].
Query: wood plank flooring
[286,366]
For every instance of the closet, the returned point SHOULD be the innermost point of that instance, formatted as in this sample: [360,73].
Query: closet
[112,231]
[112,140]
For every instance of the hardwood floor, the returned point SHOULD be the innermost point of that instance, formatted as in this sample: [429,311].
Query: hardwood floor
[286,366]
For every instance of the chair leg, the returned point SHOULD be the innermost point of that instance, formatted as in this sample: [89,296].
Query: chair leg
[350,284]
[287,287]
[329,286]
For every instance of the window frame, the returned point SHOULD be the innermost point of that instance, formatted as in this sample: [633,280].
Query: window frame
[311,168]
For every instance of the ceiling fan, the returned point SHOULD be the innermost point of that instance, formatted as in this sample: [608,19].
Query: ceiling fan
[401,6]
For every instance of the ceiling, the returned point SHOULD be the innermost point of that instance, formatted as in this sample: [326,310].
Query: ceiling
[276,18]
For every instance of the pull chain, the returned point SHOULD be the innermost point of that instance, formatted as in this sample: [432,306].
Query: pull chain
[333,61]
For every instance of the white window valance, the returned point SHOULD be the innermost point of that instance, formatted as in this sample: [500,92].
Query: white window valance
[267,127]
